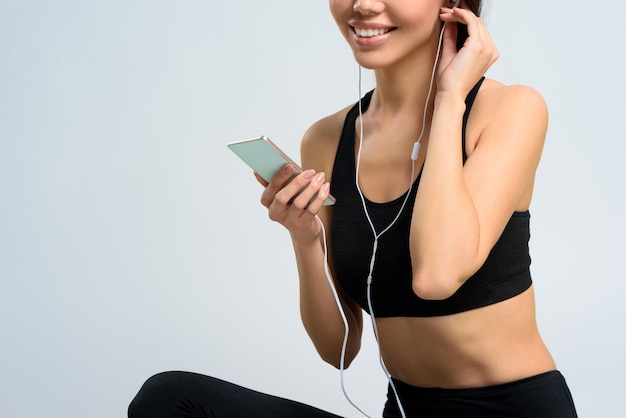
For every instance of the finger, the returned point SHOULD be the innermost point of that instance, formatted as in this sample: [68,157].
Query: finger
[475,25]
[480,41]
[300,190]
[260,179]
[316,204]
[303,219]
[276,184]
[457,15]
[479,38]
[283,176]
[308,195]
[292,191]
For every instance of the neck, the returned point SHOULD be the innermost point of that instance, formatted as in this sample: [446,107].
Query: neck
[405,85]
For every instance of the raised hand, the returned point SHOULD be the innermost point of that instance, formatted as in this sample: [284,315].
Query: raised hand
[459,71]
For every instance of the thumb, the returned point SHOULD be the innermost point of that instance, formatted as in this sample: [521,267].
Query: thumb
[260,179]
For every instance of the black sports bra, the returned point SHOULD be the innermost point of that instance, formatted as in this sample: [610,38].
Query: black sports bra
[505,273]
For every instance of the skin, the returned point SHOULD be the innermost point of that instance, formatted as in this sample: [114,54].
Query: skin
[459,212]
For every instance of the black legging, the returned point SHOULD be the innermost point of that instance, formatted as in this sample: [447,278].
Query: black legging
[543,396]
[190,395]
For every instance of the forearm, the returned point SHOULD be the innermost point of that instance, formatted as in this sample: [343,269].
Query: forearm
[445,230]
[318,308]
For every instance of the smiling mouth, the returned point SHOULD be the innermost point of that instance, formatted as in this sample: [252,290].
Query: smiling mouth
[370,33]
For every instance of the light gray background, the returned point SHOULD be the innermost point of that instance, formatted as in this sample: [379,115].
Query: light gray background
[132,241]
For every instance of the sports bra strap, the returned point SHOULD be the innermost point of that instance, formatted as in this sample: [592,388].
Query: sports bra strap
[469,101]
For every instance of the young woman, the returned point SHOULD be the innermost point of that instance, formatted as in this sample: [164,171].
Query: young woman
[431,239]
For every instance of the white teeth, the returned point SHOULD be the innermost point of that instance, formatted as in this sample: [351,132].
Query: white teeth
[369,33]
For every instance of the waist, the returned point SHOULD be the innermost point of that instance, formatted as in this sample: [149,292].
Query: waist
[429,392]
[490,345]
[541,395]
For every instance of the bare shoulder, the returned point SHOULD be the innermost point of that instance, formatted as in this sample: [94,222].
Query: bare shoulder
[511,100]
[511,112]
[501,99]
[320,141]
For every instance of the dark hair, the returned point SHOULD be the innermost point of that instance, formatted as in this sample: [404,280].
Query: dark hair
[476,7]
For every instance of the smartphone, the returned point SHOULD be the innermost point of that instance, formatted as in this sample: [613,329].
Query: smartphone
[265,158]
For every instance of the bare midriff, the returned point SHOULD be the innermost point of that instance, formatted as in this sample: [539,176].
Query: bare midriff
[495,344]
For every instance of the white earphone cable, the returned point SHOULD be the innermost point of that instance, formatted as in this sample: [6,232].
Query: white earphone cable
[377,235]
[375,247]
[344,344]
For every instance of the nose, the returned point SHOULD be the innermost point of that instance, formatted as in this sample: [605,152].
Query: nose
[368,7]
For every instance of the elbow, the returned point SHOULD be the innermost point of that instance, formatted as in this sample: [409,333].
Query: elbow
[435,286]
[336,361]
[333,357]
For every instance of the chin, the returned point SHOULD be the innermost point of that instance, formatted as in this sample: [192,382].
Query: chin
[370,62]
[367,65]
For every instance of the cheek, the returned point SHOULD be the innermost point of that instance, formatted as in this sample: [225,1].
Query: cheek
[337,9]
[340,11]
[341,8]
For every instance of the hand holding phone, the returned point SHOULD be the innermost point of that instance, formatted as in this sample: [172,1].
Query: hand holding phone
[265,158]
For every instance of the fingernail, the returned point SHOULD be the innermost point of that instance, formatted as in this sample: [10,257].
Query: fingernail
[320,177]
[326,187]
[287,169]
[308,174]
